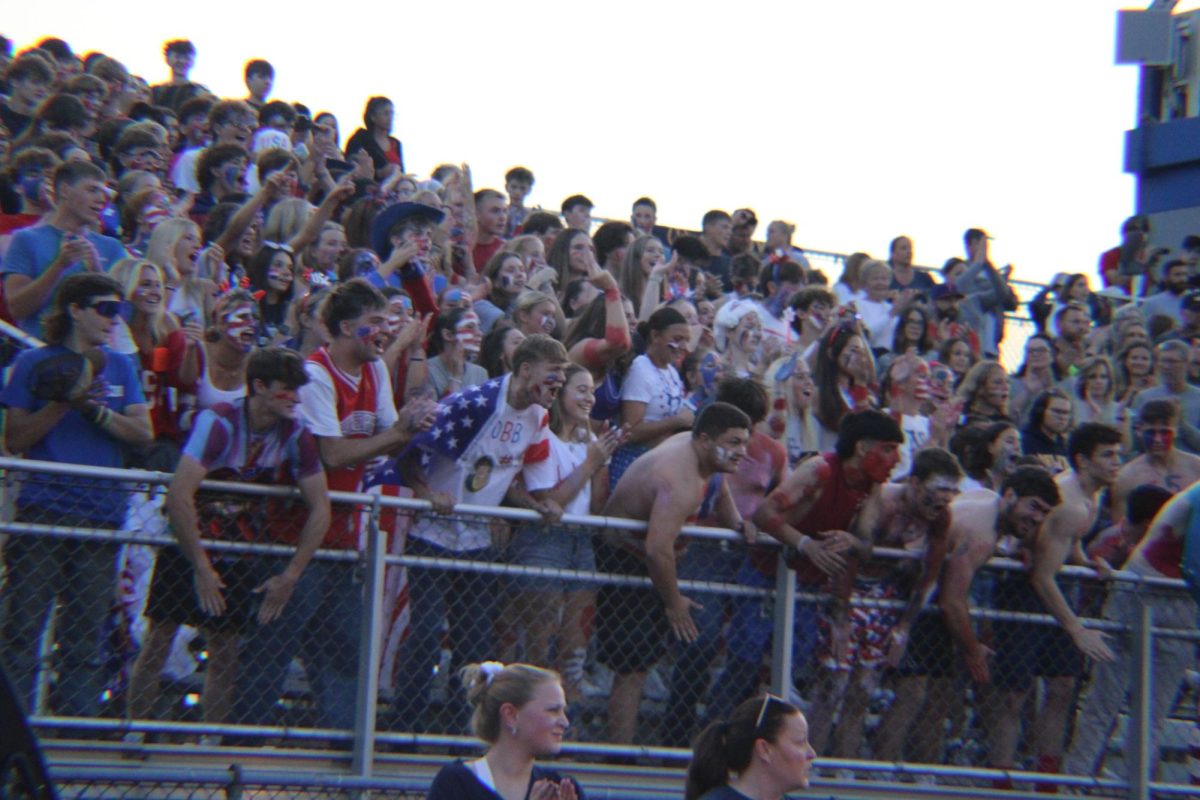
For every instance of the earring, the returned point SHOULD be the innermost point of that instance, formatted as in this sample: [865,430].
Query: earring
[512,729]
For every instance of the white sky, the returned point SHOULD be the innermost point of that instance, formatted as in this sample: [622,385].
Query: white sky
[858,121]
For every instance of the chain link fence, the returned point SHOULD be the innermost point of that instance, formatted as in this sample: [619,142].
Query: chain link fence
[106,641]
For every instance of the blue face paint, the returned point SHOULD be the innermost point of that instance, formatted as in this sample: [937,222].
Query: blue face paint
[709,365]
[366,331]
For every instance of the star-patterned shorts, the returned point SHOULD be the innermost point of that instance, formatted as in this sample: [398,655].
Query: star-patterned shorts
[869,627]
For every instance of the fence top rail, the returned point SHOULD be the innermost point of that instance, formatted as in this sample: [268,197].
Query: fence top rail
[22,465]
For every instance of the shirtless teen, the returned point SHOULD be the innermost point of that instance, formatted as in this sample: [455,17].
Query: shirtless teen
[664,487]
[1159,555]
[858,641]
[981,521]
[1161,463]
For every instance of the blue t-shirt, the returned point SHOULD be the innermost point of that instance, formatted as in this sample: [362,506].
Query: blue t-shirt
[32,250]
[74,440]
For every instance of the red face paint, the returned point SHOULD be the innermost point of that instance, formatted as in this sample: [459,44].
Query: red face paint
[879,461]
[1158,440]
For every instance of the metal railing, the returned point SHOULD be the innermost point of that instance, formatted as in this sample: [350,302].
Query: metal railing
[385,718]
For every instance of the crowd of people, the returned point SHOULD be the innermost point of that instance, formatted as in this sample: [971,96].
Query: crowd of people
[226,290]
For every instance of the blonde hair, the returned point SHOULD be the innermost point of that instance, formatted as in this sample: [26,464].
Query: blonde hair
[287,218]
[521,244]
[491,686]
[161,250]
[871,267]
[801,421]
[973,381]
[128,273]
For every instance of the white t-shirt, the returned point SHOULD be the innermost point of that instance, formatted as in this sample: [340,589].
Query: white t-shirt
[565,458]
[318,403]
[877,318]
[660,389]
[916,434]
[504,443]
[183,174]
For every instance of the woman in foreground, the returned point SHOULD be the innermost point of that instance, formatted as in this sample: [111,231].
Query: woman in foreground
[521,712]
[760,753]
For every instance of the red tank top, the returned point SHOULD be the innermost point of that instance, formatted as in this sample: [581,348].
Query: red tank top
[835,511]
[356,412]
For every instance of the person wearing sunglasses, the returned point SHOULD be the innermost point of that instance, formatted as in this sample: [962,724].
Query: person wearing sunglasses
[71,401]
[759,753]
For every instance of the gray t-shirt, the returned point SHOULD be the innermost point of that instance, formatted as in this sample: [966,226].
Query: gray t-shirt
[443,383]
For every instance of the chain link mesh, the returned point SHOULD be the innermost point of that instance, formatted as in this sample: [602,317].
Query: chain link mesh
[101,621]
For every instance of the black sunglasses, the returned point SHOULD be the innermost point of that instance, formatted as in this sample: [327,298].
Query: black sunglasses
[106,308]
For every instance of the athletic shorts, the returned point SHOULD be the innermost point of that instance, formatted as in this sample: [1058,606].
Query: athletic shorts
[173,591]
[631,623]
[1028,650]
[931,649]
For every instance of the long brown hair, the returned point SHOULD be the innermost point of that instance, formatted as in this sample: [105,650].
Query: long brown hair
[558,419]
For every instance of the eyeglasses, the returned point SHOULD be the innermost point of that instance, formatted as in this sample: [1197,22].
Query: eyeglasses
[762,711]
[106,308]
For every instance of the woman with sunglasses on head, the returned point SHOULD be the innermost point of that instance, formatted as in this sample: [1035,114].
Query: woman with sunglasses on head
[792,418]
[760,753]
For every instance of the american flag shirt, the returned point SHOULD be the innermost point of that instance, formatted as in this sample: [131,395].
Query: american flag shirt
[473,451]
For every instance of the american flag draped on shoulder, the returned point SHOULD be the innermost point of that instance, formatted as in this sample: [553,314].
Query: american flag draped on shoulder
[460,418]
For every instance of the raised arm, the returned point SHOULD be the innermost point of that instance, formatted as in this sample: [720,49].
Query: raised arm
[594,353]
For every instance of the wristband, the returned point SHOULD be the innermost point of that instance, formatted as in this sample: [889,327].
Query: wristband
[803,541]
[612,294]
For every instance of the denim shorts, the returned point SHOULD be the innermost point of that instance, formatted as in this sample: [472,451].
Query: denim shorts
[557,547]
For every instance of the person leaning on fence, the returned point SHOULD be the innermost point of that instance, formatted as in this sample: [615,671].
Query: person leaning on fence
[811,511]
[347,404]
[1025,651]
[73,401]
[574,475]
[859,641]
[665,488]
[482,438]
[520,711]
[1160,554]
[254,439]
[761,752]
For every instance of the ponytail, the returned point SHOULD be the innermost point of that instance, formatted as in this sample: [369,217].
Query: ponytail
[710,767]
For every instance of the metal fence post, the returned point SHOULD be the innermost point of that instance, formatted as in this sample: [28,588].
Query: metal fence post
[785,618]
[1141,759]
[369,648]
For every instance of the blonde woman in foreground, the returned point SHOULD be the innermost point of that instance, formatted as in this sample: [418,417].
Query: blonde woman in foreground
[521,712]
